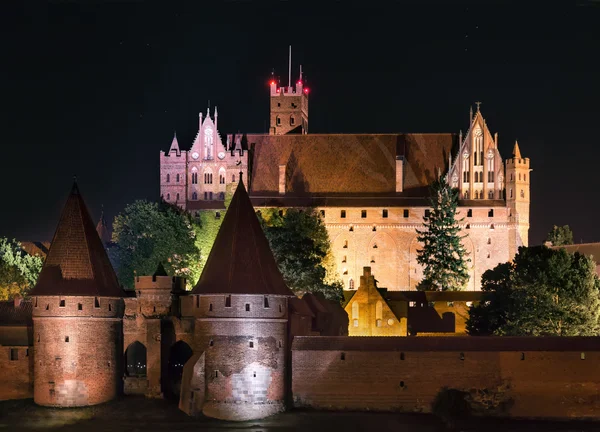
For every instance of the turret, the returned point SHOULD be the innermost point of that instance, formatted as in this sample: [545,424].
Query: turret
[240,306]
[289,106]
[517,198]
[77,316]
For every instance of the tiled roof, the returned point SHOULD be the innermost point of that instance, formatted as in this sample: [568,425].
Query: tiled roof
[241,261]
[77,263]
[457,344]
[36,248]
[11,315]
[103,230]
[337,164]
[300,307]
[588,249]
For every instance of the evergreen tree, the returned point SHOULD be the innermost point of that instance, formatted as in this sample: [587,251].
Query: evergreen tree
[560,236]
[543,292]
[443,255]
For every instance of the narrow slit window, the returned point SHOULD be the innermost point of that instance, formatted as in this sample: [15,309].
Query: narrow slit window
[62,303]
[384,213]
[251,344]
[266,302]
[405,213]
[343,214]
[343,356]
[211,343]
[228,301]
[96,302]
[401,356]
[79,306]
[247,307]
[210,307]
[66,338]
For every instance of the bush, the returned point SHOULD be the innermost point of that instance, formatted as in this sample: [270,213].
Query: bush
[451,406]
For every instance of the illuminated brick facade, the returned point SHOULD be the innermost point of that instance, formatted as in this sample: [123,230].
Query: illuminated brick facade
[371,189]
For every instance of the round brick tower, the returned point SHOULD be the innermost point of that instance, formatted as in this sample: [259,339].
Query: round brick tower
[77,316]
[240,304]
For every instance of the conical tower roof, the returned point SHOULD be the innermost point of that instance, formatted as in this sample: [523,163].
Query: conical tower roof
[103,230]
[516,151]
[77,263]
[241,261]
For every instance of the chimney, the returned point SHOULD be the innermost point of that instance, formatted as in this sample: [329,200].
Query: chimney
[281,179]
[399,173]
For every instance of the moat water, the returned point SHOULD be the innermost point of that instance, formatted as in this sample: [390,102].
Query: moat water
[143,415]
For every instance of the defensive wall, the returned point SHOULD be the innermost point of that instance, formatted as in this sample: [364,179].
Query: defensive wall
[547,377]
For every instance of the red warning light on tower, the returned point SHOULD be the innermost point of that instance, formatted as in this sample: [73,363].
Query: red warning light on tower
[272,82]
[306,90]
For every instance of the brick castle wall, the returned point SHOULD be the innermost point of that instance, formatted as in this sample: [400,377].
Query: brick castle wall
[540,383]
[16,379]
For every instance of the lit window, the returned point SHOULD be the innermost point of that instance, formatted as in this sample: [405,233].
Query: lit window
[411,304]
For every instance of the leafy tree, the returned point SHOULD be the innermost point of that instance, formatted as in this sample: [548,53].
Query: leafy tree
[542,292]
[301,247]
[18,270]
[207,226]
[560,236]
[146,234]
[443,255]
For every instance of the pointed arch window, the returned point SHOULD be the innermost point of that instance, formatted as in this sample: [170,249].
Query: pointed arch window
[195,178]
[351,285]
[195,196]
[208,143]
[168,197]
[177,178]
[177,197]
[168,178]
[221,176]
[491,194]
[233,178]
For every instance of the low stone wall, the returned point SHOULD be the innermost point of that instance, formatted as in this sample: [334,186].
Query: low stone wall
[135,385]
[517,376]
[16,372]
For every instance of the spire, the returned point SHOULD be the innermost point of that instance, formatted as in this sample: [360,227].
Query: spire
[200,120]
[160,270]
[77,263]
[174,144]
[103,230]
[470,114]
[516,151]
[241,261]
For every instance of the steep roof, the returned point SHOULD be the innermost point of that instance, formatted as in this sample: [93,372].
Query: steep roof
[77,263]
[15,314]
[241,261]
[516,151]
[340,164]
[103,230]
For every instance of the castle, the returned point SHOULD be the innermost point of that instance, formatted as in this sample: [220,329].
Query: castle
[371,189]
[241,346]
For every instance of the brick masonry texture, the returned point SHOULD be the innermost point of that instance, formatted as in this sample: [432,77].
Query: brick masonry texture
[77,353]
[540,383]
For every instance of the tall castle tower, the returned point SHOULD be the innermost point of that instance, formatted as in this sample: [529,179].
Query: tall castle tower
[240,306]
[517,198]
[77,316]
[289,106]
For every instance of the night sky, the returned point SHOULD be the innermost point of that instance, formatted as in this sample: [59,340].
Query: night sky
[96,89]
